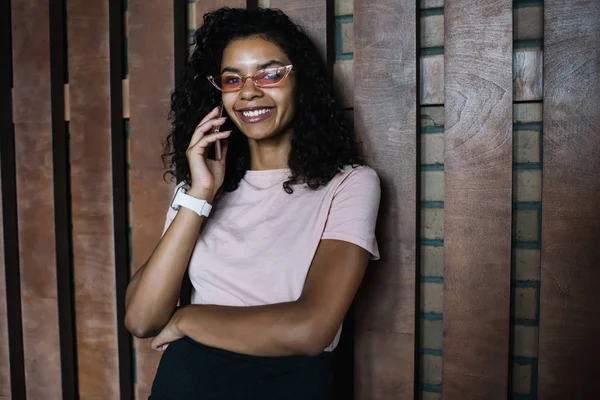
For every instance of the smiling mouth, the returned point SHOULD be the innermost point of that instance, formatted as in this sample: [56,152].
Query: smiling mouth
[255,113]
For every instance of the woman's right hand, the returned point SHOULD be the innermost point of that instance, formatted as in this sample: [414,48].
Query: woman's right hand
[207,175]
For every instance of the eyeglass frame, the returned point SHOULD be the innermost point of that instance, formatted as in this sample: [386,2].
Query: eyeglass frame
[288,69]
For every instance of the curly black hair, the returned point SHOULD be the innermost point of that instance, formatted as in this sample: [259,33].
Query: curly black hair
[321,144]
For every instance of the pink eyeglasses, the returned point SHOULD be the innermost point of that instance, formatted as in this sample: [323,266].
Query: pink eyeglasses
[267,77]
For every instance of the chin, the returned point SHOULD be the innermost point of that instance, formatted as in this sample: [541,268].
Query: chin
[256,134]
[263,133]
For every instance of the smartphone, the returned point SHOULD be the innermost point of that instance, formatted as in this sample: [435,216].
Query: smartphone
[218,152]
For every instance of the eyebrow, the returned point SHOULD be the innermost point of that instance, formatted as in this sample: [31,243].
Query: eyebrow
[259,67]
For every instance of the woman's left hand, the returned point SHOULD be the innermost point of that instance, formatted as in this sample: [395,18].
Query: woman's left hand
[169,334]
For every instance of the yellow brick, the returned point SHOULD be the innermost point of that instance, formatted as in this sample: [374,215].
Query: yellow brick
[527,264]
[527,112]
[528,23]
[527,80]
[343,7]
[432,185]
[525,225]
[347,37]
[432,3]
[432,226]
[526,147]
[527,185]
[522,379]
[432,79]
[525,303]
[432,116]
[432,261]
[432,31]
[432,297]
[431,333]
[525,341]
[191,16]
[430,396]
[432,148]
[431,369]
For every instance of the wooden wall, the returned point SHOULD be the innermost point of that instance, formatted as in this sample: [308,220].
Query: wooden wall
[487,279]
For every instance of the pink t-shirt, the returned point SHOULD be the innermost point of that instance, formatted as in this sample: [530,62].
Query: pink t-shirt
[258,244]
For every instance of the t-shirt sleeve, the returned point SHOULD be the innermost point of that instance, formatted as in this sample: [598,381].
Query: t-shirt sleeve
[353,212]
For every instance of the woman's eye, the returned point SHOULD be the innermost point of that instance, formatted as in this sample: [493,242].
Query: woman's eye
[231,79]
[272,76]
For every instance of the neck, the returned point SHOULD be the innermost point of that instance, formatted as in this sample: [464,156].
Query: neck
[270,153]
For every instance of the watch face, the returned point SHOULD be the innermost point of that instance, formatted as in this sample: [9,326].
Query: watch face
[174,206]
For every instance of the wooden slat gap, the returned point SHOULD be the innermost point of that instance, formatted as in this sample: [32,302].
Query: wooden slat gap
[62,203]
[120,194]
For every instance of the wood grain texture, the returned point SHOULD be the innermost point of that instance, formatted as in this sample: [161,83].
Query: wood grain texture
[478,167]
[35,191]
[527,79]
[314,16]
[385,63]
[151,42]
[568,365]
[91,196]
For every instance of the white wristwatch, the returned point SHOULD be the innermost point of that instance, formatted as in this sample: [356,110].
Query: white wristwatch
[200,207]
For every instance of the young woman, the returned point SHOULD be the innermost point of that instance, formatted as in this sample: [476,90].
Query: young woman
[278,258]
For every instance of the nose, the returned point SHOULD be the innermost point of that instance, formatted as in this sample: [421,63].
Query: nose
[250,91]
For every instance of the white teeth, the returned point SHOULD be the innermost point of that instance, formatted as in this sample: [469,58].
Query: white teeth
[255,113]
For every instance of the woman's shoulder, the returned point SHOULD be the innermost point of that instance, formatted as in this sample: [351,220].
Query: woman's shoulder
[358,173]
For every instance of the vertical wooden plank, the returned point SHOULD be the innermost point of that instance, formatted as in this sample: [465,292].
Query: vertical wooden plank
[6,367]
[35,207]
[385,115]
[316,17]
[151,42]
[91,189]
[568,365]
[478,184]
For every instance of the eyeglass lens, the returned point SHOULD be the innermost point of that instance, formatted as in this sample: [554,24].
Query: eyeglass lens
[265,77]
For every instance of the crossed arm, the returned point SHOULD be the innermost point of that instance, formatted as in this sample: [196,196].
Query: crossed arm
[305,326]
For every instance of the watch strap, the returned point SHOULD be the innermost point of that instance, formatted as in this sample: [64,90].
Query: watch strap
[200,207]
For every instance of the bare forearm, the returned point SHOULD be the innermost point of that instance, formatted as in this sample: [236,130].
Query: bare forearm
[154,291]
[281,329]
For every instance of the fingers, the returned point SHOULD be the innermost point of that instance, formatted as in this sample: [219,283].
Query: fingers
[202,129]
[205,141]
[213,114]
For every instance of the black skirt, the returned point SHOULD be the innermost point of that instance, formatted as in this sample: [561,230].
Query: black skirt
[190,370]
